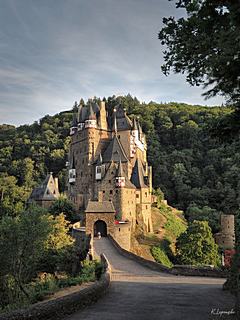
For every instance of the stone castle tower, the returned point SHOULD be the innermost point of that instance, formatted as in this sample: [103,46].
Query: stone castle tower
[226,237]
[109,176]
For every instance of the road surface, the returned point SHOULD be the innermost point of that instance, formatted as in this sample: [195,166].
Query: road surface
[138,293]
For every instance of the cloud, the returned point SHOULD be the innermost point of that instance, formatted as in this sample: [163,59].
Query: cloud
[53,54]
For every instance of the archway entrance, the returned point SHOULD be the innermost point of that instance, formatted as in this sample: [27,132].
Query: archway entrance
[100,226]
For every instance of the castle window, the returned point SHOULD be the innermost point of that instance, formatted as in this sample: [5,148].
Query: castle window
[103,191]
[119,229]
[109,181]
[119,136]
[111,192]
[137,196]
[146,194]
[146,207]
[81,174]
[116,191]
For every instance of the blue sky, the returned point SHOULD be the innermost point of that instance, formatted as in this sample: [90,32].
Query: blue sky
[53,52]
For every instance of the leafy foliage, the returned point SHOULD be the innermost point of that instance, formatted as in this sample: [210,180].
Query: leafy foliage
[205,45]
[65,206]
[160,256]
[191,167]
[196,246]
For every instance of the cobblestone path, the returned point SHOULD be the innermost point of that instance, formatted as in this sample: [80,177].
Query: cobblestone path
[138,293]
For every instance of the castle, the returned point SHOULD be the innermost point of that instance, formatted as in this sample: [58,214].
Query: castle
[109,176]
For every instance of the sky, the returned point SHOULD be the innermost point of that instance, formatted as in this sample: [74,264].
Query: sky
[54,52]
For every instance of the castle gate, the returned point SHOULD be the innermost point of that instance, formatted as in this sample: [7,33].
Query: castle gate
[100,226]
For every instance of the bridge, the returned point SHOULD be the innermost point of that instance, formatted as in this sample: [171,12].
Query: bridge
[138,293]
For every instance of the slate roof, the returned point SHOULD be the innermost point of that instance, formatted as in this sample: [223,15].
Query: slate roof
[100,207]
[120,173]
[137,177]
[43,192]
[83,112]
[74,121]
[114,151]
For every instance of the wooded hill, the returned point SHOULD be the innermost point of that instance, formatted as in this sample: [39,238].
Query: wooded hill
[197,172]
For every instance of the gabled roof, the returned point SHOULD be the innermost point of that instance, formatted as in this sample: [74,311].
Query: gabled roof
[47,191]
[100,207]
[137,177]
[114,151]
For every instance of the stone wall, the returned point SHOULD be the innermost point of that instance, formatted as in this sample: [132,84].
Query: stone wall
[60,307]
[91,218]
[176,270]
[122,235]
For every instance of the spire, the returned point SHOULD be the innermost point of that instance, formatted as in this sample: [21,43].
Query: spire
[74,121]
[119,172]
[140,131]
[92,115]
[137,177]
[135,127]
[114,128]
[120,177]
[74,125]
[80,118]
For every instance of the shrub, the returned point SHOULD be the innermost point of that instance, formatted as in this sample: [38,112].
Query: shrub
[160,256]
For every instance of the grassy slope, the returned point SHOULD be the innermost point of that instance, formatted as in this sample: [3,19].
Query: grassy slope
[168,224]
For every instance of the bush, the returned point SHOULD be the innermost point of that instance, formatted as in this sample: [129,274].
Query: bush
[160,256]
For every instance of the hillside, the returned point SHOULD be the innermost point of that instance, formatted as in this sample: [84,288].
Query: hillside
[197,173]
[168,224]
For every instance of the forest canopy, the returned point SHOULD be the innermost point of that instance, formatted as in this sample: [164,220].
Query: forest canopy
[197,173]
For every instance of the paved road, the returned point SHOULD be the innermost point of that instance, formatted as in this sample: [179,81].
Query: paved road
[138,293]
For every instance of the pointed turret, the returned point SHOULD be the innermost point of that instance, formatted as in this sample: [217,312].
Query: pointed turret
[137,177]
[74,125]
[120,177]
[92,115]
[80,117]
[114,127]
[135,127]
[91,121]
[139,131]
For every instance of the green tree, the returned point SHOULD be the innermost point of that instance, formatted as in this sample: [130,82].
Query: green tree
[12,197]
[204,214]
[196,246]
[22,241]
[205,45]
[65,206]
